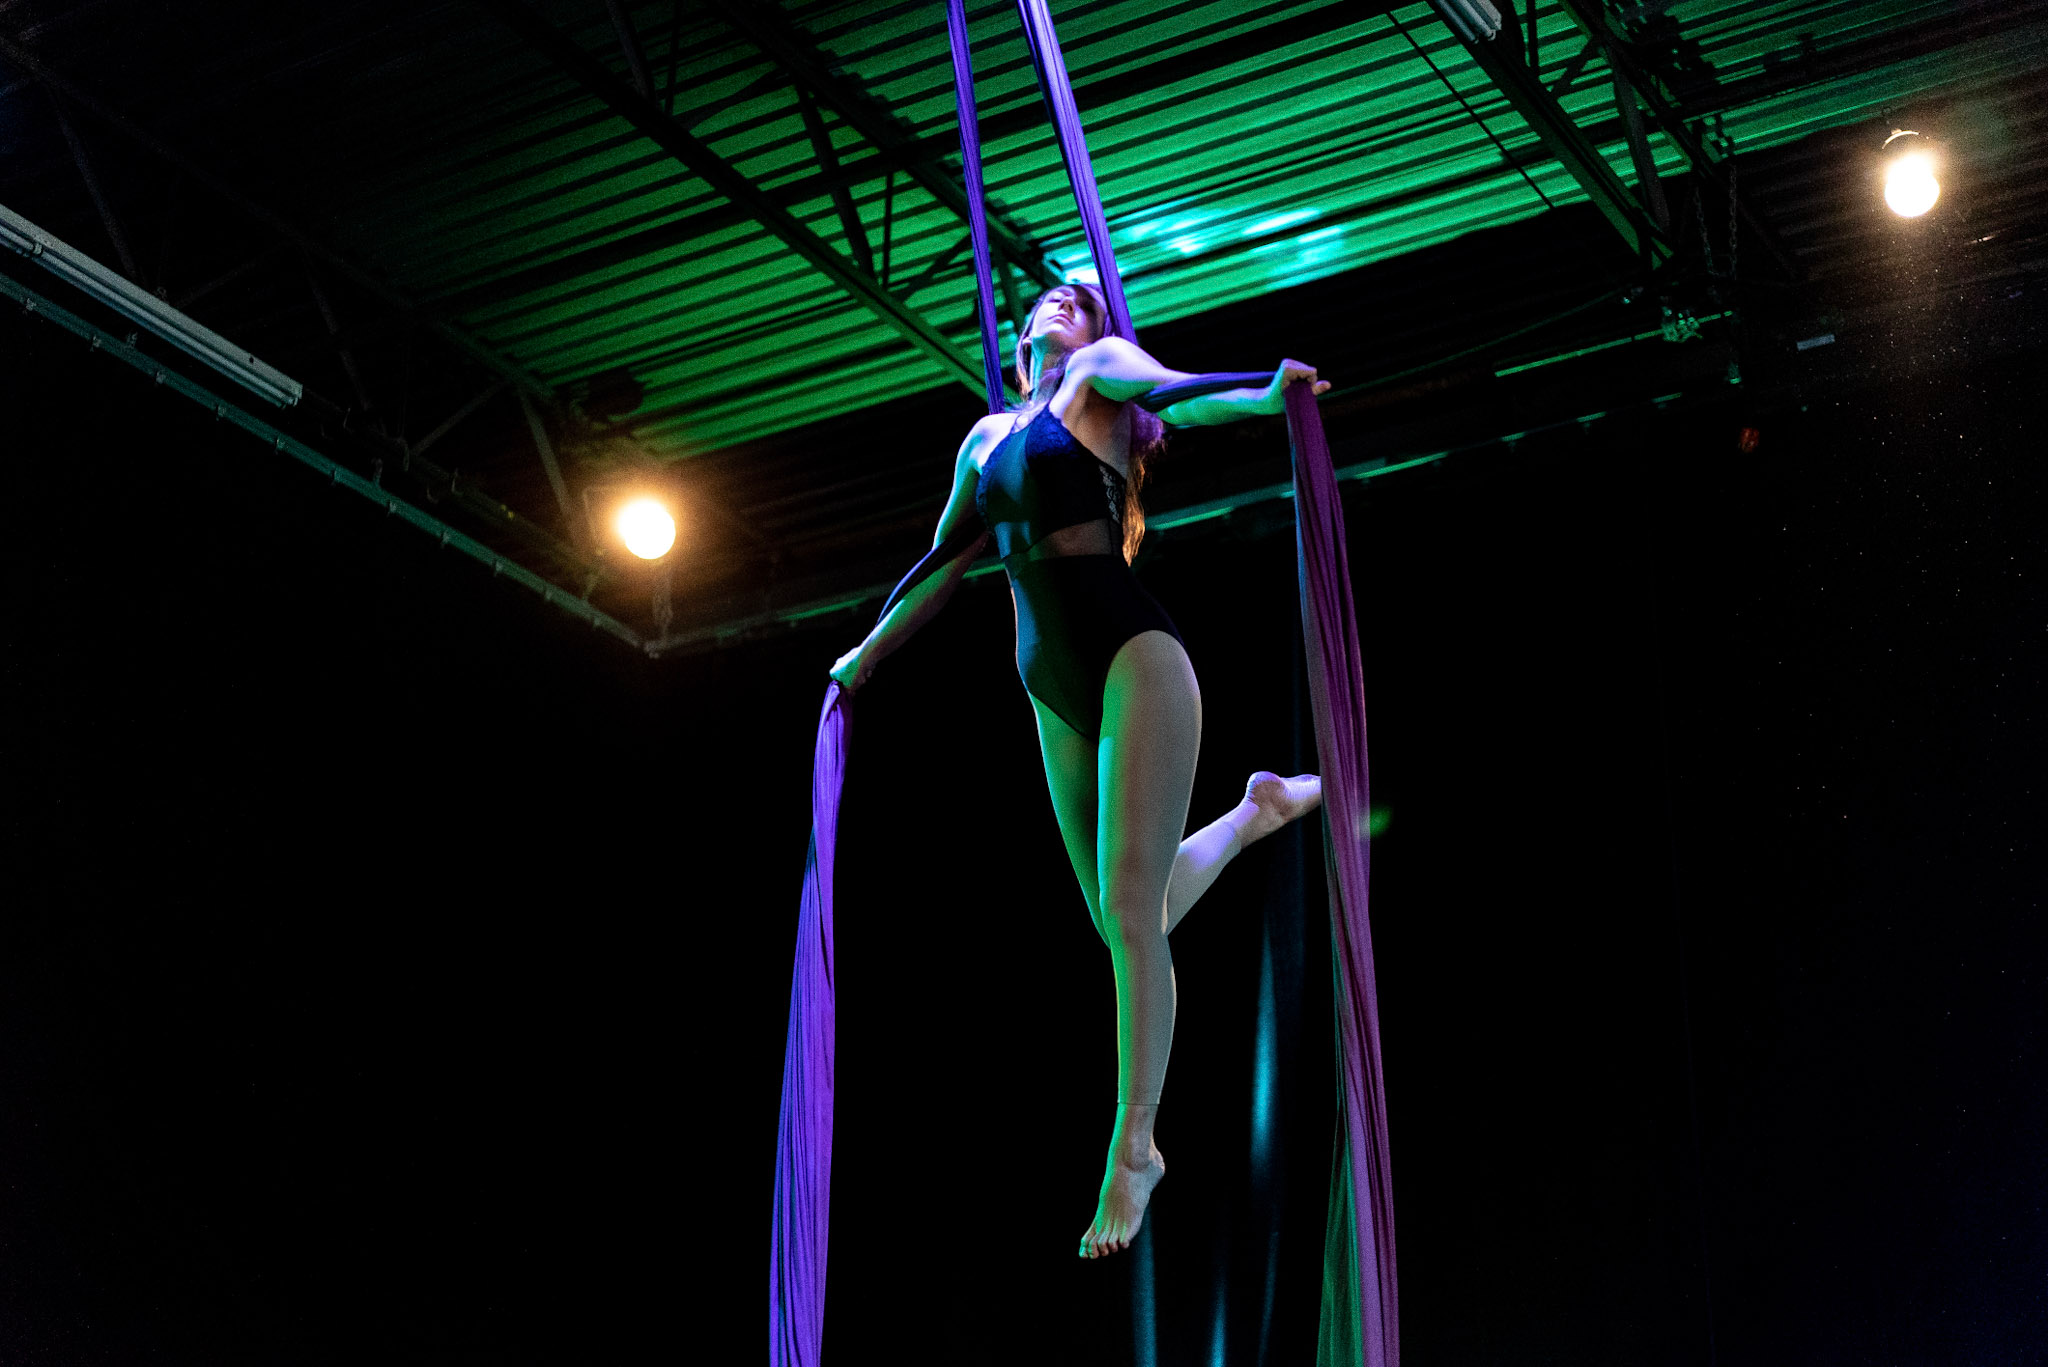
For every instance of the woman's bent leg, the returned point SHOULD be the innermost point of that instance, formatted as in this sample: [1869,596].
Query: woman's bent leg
[1270,802]
[1151,738]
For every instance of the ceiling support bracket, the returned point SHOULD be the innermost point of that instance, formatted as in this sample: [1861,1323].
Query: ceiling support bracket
[1564,141]
[1662,108]
[828,162]
[763,24]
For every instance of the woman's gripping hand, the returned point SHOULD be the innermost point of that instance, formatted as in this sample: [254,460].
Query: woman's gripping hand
[1274,399]
[852,669]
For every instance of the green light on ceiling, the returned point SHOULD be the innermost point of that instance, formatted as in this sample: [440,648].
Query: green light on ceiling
[1279,221]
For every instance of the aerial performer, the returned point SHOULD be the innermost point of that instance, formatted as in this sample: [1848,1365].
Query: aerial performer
[1053,480]
[1054,484]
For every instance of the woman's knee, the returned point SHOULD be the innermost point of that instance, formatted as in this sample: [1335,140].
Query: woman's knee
[1132,906]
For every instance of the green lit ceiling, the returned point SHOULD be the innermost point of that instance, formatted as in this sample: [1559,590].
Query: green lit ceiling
[1286,142]
[420,208]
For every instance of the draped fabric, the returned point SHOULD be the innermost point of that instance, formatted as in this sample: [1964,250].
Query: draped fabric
[1360,1324]
[803,1139]
[1066,121]
[977,211]
[1336,682]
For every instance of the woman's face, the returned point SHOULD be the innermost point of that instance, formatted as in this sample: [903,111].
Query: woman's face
[1066,319]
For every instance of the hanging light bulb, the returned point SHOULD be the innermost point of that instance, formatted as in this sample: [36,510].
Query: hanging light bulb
[1910,188]
[647,528]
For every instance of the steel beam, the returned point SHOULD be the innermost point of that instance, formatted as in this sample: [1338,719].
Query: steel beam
[187,298]
[828,162]
[348,355]
[764,24]
[1664,109]
[545,449]
[453,420]
[99,198]
[715,171]
[1649,188]
[1563,140]
[629,43]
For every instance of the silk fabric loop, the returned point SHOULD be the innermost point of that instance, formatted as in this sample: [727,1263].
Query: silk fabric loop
[1066,121]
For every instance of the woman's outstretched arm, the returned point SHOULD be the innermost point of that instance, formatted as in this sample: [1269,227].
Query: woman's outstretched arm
[1120,370]
[924,600]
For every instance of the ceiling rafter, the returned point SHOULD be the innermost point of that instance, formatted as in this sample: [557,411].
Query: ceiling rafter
[1560,135]
[670,135]
[763,23]
[1646,85]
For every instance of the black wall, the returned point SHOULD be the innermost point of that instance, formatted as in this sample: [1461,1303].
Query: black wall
[395,968]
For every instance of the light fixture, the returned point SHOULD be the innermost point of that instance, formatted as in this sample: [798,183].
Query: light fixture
[144,309]
[1910,188]
[646,527]
[1474,21]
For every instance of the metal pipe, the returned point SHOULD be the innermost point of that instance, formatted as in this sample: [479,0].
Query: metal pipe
[336,473]
[141,307]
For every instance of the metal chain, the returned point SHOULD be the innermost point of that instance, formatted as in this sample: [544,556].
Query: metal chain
[1734,238]
[1699,211]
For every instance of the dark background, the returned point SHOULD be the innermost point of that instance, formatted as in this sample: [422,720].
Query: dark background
[396,969]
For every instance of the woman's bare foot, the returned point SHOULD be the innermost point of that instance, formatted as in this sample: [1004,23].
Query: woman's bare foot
[1127,1182]
[1277,801]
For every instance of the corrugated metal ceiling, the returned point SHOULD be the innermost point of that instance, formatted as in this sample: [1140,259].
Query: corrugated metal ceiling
[1241,148]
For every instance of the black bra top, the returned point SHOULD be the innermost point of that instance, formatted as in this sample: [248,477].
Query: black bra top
[1042,479]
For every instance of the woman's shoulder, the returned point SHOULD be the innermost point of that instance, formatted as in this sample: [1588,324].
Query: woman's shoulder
[1108,347]
[984,437]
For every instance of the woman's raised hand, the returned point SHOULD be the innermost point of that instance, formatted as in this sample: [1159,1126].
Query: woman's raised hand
[851,670]
[1289,372]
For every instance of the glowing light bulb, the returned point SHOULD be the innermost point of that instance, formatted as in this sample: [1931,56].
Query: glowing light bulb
[1910,188]
[646,528]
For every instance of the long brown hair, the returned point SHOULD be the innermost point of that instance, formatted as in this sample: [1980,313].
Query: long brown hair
[1148,434]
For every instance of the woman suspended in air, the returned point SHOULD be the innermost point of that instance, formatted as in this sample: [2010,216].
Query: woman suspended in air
[1119,711]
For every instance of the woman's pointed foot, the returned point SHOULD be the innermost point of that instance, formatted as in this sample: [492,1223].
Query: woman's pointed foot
[1277,801]
[1126,1191]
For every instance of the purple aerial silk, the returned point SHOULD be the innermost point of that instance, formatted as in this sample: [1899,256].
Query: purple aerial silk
[1336,684]
[977,213]
[802,1217]
[1066,121]
[1361,1323]
[803,1140]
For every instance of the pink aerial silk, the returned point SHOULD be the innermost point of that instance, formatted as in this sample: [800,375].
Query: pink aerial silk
[1360,1322]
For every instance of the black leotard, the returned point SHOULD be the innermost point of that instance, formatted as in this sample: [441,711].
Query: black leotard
[1073,611]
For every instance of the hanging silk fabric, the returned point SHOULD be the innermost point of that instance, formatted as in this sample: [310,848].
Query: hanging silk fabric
[1360,1322]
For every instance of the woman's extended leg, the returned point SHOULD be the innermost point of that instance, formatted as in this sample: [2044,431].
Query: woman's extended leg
[1145,771]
